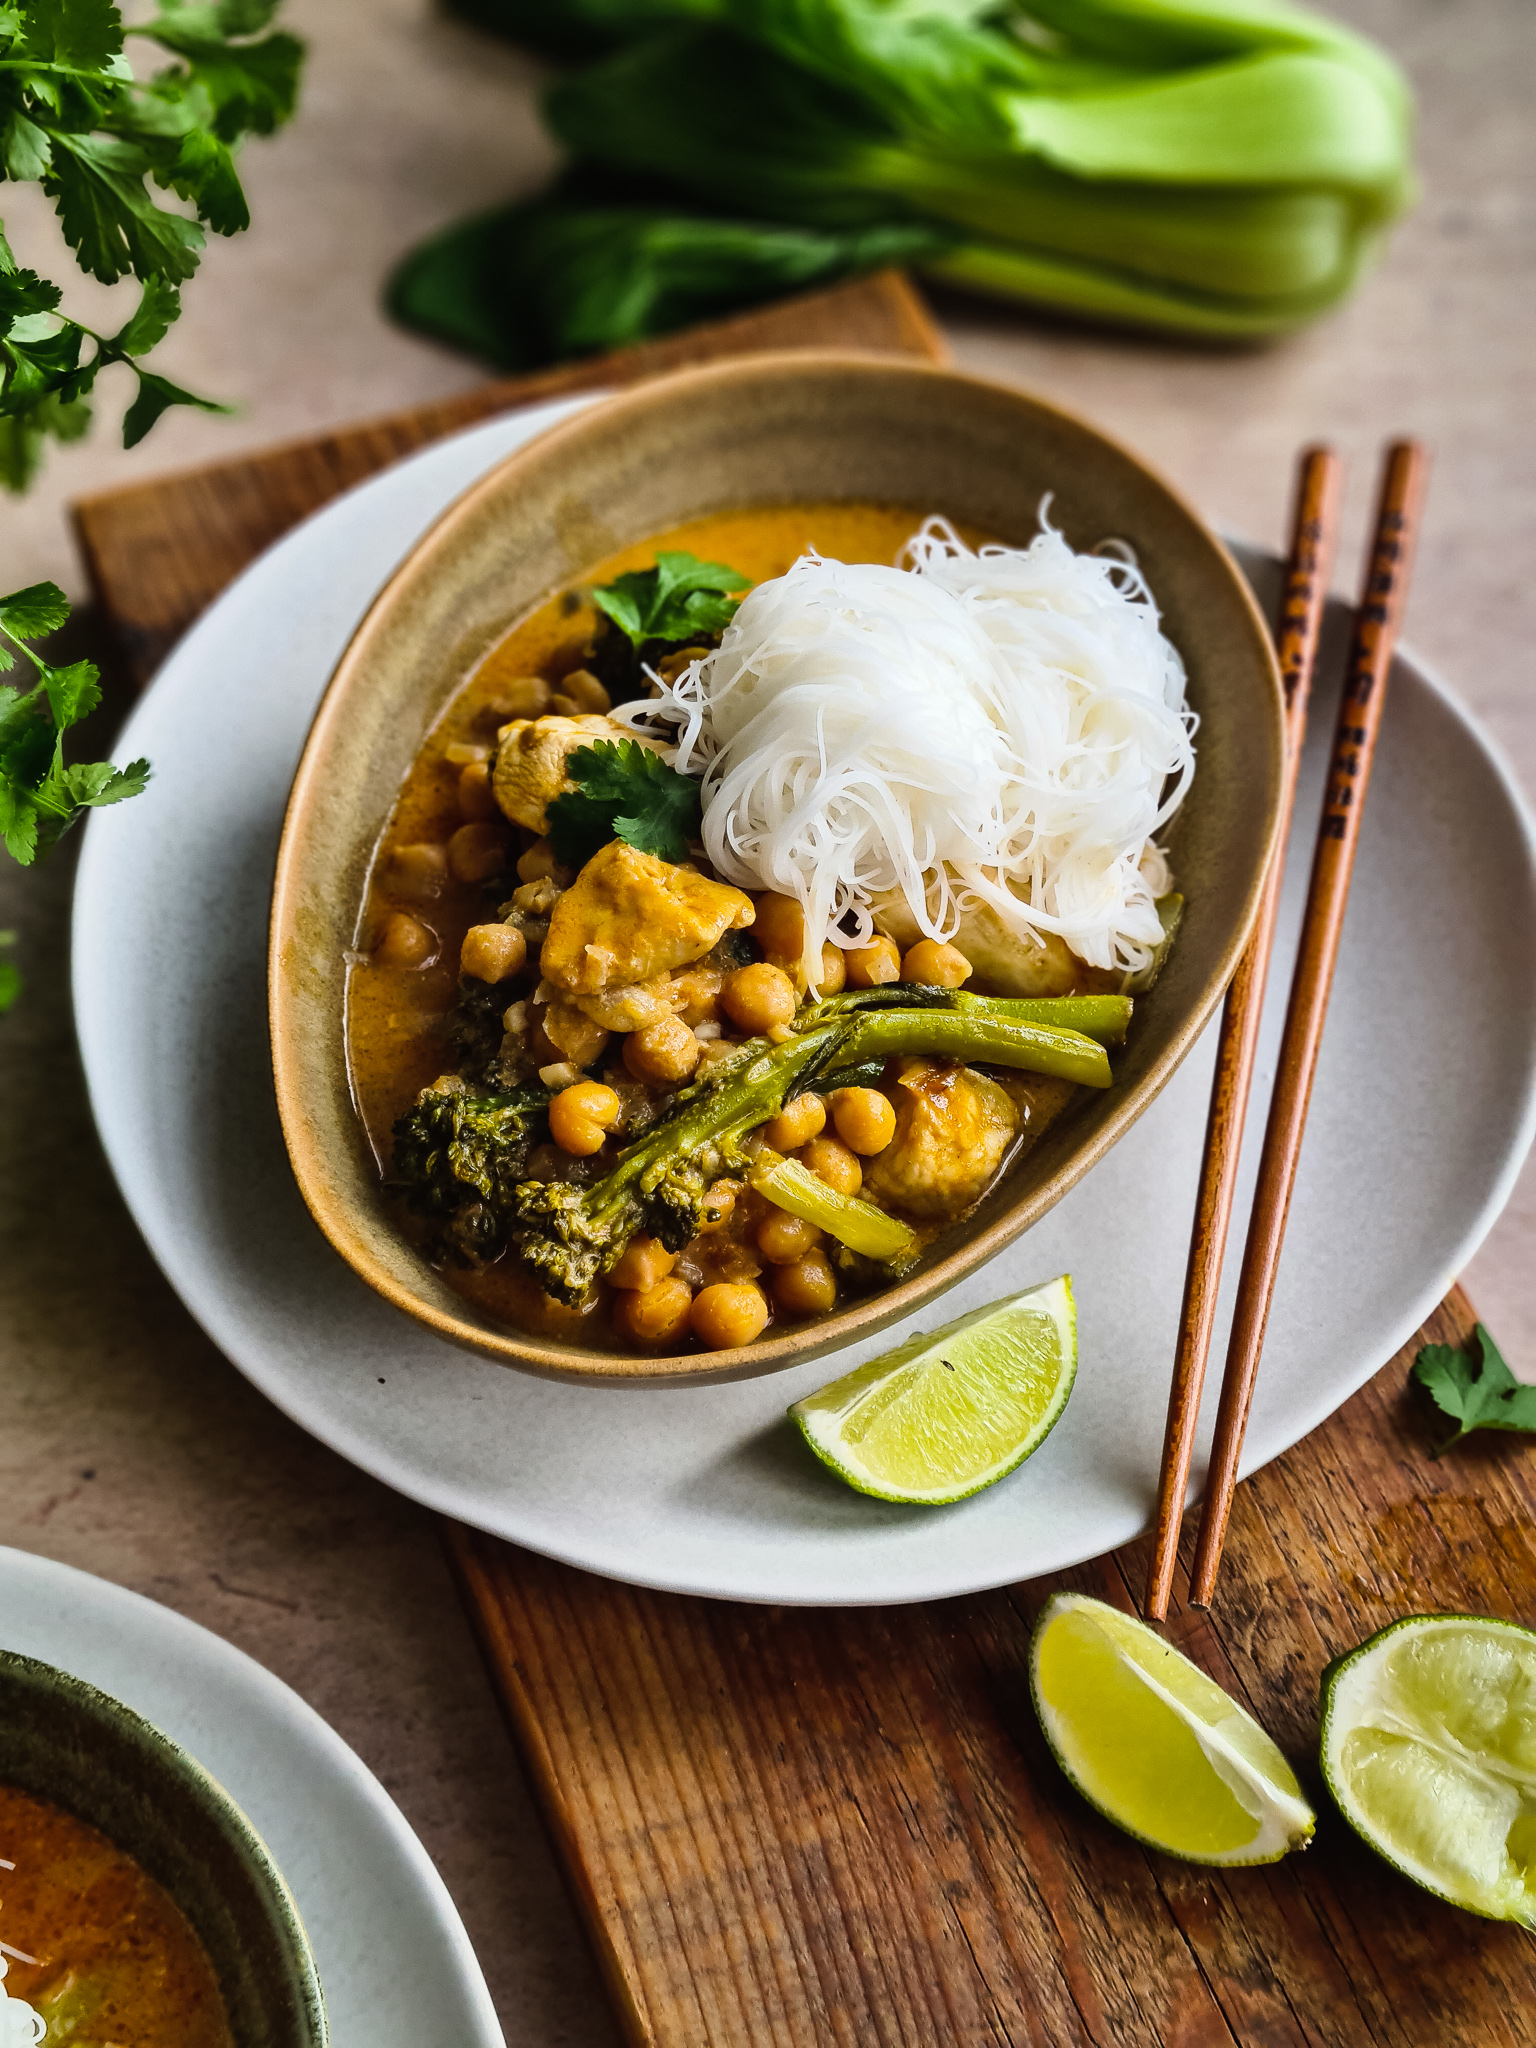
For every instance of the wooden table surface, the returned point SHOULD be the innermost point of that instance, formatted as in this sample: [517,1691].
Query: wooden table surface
[131,1449]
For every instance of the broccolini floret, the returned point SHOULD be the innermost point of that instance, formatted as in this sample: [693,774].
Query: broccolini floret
[461,1156]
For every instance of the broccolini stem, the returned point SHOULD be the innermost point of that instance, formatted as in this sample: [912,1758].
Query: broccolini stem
[966,1035]
[751,1090]
[1105,1018]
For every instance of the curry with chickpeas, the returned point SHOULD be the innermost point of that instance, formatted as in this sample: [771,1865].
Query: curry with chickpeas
[614,1096]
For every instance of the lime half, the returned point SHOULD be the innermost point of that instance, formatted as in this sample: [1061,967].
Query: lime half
[1429,1747]
[1157,1746]
[943,1416]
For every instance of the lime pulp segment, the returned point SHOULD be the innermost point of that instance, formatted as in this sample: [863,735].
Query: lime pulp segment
[944,1415]
[1157,1746]
[1429,1748]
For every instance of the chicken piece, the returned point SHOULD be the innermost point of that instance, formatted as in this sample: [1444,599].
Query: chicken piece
[953,1128]
[531,754]
[636,1007]
[629,917]
[1011,965]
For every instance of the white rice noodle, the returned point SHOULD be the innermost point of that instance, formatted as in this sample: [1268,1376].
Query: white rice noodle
[1007,727]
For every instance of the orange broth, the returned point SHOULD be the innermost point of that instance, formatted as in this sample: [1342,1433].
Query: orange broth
[117,1960]
[395,1016]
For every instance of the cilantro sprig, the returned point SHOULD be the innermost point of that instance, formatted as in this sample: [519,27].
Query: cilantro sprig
[41,797]
[1474,1387]
[624,791]
[679,599]
[74,119]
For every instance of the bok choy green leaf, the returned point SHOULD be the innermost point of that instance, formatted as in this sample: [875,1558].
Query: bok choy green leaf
[1208,167]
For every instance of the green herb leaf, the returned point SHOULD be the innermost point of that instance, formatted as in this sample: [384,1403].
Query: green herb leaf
[1475,1388]
[41,795]
[75,119]
[680,598]
[33,613]
[624,791]
[10,976]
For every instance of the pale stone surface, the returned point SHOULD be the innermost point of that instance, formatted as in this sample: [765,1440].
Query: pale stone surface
[129,1447]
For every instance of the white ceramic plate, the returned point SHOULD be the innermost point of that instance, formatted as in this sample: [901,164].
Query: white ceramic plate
[1423,1110]
[394,1960]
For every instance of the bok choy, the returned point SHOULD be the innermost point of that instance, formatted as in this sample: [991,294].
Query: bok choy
[1219,168]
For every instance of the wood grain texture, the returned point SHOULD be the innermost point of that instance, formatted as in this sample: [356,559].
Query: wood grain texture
[1309,559]
[798,1827]
[158,553]
[802,1827]
[1377,619]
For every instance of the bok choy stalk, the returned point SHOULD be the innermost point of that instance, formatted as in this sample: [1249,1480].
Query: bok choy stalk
[1208,167]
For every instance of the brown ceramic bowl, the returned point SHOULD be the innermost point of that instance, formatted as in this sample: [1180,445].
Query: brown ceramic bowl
[770,429]
[63,1741]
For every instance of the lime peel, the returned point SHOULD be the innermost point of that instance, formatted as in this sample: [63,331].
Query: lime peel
[1157,1746]
[1429,1749]
[942,1416]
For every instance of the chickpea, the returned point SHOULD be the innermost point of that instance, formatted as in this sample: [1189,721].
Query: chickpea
[664,1051]
[671,666]
[757,998]
[697,991]
[493,952]
[584,691]
[654,1318]
[800,1120]
[807,1288]
[582,1116]
[417,873]
[720,1204]
[476,852]
[644,1261]
[538,864]
[571,1032]
[831,1161]
[476,803]
[404,941]
[873,965]
[863,1118]
[779,928]
[783,1239]
[523,697]
[938,966]
[834,970]
[730,1313]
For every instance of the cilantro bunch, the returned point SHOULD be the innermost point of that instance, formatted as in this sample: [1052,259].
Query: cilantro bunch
[41,797]
[75,119]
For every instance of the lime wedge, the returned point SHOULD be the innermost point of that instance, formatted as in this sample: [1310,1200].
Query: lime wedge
[943,1416]
[1157,1746]
[1429,1747]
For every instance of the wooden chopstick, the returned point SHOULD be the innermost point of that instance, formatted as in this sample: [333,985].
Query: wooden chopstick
[1354,746]
[1314,529]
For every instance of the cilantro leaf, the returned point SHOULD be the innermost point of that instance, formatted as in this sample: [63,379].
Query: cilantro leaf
[10,976]
[1478,1391]
[76,120]
[624,791]
[679,599]
[41,795]
[33,613]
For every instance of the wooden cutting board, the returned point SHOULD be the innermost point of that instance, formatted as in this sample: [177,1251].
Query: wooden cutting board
[803,1827]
